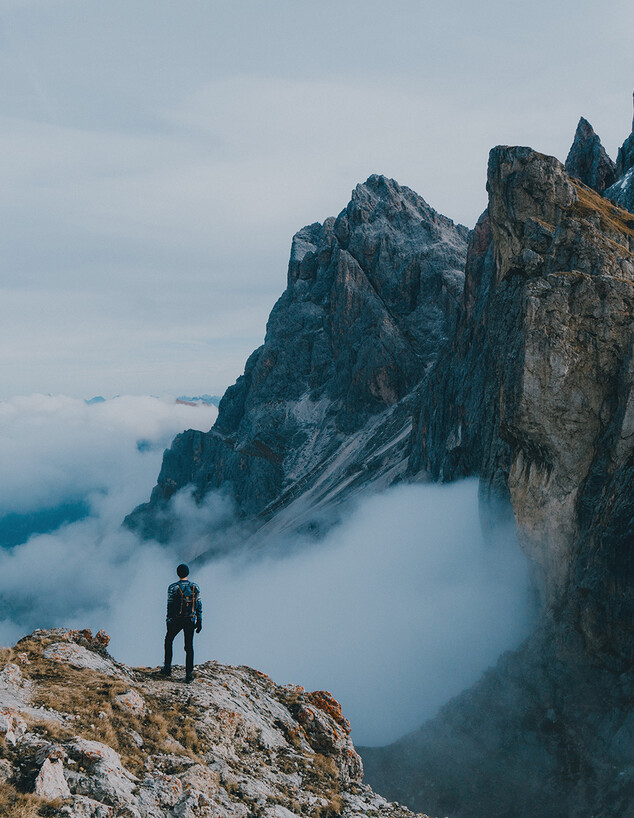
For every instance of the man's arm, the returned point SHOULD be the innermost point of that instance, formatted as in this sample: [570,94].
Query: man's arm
[171,593]
[199,612]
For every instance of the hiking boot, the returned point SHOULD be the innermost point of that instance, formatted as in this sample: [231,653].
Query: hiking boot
[189,677]
[166,671]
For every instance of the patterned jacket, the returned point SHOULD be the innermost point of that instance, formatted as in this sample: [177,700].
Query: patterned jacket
[177,595]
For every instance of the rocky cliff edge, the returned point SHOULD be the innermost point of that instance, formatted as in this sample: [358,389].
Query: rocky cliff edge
[83,736]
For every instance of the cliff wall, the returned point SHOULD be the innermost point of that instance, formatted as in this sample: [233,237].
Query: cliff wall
[535,395]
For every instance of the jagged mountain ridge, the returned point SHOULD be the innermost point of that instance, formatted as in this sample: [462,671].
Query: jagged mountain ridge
[531,390]
[84,736]
[324,406]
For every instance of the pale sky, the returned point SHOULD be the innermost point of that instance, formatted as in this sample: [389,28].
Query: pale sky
[157,156]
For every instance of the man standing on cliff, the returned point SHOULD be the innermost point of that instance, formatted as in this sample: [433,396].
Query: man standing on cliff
[184,613]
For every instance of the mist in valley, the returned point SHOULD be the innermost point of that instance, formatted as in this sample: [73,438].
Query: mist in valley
[401,606]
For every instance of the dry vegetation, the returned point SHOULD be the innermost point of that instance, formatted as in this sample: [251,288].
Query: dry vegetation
[611,218]
[83,702]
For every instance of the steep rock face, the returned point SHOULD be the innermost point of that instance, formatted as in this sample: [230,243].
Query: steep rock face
[588,160]
[535,395]
[371,297]
[622,191]
[83,736]
[541,357]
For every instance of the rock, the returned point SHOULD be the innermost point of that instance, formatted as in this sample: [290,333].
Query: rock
[12,725]
[324,405]
[107,780]
[80,657]
[535,395]
[83,807]
[622,191]
[50,750]
[132,701]
[6,771]
[50,782]
[14,693]
[588,160]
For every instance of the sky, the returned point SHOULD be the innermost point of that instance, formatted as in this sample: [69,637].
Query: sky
[400,607]
[158,156]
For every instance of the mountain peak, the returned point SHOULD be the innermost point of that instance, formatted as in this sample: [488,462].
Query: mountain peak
[588,160]
[371,297]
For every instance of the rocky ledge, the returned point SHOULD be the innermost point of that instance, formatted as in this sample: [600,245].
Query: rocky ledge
[83,736]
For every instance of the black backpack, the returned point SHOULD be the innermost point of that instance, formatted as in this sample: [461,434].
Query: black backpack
[186,600]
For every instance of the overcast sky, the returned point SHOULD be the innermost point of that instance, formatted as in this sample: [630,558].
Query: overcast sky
[157,156]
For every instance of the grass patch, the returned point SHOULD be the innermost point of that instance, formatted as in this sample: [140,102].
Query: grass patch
[14,804]
[610,216]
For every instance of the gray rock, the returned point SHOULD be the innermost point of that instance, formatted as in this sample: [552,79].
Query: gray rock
[80,657]
[50,782]
[535,395]
[588,160]
[6,770]
[245,745]
[622,191]
[83,807]
[371,298]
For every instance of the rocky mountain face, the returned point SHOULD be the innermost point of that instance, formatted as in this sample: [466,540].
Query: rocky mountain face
[83,736]
[324,406]
[384,362]
[622,191]
[535,394]
[588,160]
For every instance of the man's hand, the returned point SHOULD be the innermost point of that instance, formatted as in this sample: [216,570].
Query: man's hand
[199,626]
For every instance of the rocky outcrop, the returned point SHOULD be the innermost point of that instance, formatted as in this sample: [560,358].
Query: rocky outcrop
[232,743]
[324,406]
[588,160]
[523,376]
[535,395]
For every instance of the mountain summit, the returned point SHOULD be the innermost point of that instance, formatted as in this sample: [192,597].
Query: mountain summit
[588,160]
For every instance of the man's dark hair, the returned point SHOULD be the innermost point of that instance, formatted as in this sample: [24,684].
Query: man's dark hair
[182,570]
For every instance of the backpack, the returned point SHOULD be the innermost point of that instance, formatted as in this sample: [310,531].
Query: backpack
[186,600]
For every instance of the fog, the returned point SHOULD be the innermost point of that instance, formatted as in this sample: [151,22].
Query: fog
[400,607]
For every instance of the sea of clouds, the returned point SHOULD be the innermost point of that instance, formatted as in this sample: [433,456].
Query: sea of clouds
[401,606]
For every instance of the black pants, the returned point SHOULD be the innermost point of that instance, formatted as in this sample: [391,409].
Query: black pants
[174,626]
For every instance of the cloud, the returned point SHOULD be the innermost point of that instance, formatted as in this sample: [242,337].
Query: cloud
[55,449]
[400,607]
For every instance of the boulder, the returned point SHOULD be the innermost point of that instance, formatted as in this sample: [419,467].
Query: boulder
[50,782]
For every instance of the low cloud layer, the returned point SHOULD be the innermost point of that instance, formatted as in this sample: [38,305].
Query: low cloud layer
[399,608]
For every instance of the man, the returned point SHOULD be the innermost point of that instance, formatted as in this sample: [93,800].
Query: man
[184,613]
